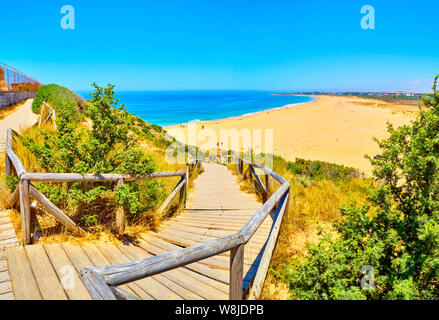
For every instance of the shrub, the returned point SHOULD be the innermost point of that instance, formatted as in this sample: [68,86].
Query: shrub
[319,169]
[397,232]
[60,98]
[110,146]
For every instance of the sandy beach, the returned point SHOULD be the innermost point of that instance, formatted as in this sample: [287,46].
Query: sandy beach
[336,129]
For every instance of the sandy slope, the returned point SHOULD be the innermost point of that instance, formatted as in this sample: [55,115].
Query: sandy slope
[334,129]
[23,117]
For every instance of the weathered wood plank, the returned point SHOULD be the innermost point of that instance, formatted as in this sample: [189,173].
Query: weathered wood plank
[171,197]
[15,197]
[23,281]
[66,272]
[25,211]
[214,277]
[98,259]
[199,267]
[152,286]
[120,215]
[129,272]
[236,273]
[135,253]
[76,177]
[45,276]
[268,251]
[19,168]
[96,285]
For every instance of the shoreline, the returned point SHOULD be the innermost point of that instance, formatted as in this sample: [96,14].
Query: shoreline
[247,114]
[334,129]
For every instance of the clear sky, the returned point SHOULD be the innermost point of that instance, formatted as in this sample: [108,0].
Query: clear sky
[224,44]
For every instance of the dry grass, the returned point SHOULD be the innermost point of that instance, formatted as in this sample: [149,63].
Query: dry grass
[315,205]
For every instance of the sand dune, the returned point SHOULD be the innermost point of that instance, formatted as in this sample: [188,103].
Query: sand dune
[332,128]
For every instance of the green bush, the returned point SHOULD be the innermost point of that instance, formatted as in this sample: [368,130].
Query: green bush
[319,169]
[396,233]
[59,98]
[110,146]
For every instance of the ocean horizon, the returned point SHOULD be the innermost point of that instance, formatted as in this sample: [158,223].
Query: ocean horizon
[167,108]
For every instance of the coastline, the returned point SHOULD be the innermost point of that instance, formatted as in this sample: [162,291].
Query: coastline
[247,114]
[331,128]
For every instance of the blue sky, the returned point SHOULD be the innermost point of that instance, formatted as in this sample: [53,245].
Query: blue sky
[278,45]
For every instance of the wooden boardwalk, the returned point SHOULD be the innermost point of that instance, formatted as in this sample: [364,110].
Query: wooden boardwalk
[7,239]
[216,207]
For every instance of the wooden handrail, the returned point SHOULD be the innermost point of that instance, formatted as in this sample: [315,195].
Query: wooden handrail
[19,168]
[114,275]
[109,177]
[51,115]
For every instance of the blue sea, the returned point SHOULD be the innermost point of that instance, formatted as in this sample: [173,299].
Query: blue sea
[167,108]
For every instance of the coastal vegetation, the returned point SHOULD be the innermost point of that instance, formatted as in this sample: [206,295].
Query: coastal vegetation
[383,245]
[97,136]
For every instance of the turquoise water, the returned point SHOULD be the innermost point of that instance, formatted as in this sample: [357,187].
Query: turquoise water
[170,108]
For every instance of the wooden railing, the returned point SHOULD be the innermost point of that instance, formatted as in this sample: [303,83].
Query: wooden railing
[52,115]
[102,282]
[26,190]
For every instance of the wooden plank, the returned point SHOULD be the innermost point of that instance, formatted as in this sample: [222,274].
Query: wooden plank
[152,286]
[236,273]
[98,259]
[76,177]
[25,211]
[120,215]
[135,253]
[258,180]
[66,272]
[214,262]
[193,284]
[4,275]
[23,281]
[6,227]
[15,197]
[7,296]
[254,223]
[19,168]
[268,251]
[216,278]
[129,272]
[45,276]
[96,285]
[171,197]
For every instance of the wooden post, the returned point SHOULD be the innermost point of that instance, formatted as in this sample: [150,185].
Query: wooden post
[287,207]
[184,189]
[236,291]
[25,211]
[8,164]
[120,219]
[240,165]
[267,186]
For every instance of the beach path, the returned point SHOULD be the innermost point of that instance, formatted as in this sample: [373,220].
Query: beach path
[23,117]
[216,207]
